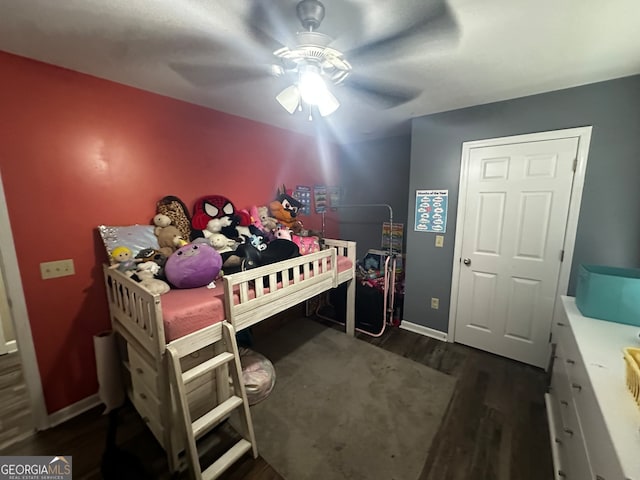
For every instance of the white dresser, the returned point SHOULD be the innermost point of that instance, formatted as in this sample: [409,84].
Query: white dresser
[594,421]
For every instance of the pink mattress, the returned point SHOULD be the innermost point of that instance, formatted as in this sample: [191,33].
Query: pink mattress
[185,311]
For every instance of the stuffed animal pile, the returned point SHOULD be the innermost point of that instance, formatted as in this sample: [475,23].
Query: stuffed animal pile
[194,250]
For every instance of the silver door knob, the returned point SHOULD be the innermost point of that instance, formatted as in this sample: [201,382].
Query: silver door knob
[467,261]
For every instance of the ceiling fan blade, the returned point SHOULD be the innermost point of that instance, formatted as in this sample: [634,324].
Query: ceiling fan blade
[380,94]
[436,23]
[271,24]
[211,75]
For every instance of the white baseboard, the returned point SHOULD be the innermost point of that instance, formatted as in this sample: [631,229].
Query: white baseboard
[422,330]
[67,413]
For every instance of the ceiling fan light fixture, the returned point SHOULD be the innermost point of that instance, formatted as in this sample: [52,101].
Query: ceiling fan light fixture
[311,85]
[328,105]
[311,90]
[289,98]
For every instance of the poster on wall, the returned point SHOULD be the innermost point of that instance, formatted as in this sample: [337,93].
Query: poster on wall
[431,210]
[395,240]
[320,198]
[334,195]
[302,193]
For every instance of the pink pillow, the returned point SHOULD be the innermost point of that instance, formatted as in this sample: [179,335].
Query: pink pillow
[306,245]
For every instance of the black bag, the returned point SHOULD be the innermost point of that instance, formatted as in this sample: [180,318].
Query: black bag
[369,307]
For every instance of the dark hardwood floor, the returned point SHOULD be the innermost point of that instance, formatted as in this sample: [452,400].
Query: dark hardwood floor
[494,428]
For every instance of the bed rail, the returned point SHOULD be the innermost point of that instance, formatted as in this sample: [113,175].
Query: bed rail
[344,248]
[136,313]
[265,291]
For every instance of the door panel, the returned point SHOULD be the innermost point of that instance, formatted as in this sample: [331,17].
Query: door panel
[533,225]
[484,287]
[490,212]
[517,204]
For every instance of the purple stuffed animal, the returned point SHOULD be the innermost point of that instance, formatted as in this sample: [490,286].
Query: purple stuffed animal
[192,266]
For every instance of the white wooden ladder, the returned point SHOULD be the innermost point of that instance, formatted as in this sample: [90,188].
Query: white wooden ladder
[227,356]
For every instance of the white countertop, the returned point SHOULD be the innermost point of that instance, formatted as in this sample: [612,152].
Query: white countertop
[601,346]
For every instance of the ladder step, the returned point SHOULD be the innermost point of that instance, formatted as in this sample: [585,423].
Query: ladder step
[207,366]
[215,416]
[226,460]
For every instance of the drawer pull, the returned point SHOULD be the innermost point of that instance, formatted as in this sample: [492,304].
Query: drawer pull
[139,371]
[562,474]
[560,324]
[568,431]
[571,362]
[564,403]
[576,386]
[143,396]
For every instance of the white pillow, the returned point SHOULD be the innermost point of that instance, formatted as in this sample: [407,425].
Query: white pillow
[134,237]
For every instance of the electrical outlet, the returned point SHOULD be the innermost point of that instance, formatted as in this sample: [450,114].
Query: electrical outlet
[435,303]
[439,241]
[59,268]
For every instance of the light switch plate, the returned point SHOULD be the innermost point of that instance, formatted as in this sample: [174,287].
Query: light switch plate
[439,241]
[58,268]
[435,303]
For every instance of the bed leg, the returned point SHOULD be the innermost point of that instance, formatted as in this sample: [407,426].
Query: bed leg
[351,308]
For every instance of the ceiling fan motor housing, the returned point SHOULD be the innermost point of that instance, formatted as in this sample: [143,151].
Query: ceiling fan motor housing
[310,13]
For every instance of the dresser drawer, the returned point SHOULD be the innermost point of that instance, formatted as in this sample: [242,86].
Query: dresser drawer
[151,419]
[143,372]
[558,448]
[579,464]
[142,394]
[603,457]
[560,385]
[567,341]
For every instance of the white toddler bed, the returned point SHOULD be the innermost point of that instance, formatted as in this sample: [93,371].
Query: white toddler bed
[148,324]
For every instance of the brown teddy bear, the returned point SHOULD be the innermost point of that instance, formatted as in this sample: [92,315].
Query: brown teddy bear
[169,239]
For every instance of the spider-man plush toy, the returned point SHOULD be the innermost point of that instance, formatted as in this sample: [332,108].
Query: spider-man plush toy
[217,207]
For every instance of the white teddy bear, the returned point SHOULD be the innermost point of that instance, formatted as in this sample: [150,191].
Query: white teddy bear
[221,242]
[215,225]
[146,273]
[160,221]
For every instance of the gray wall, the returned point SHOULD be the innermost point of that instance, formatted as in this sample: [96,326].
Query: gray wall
[373,172]
[609,224]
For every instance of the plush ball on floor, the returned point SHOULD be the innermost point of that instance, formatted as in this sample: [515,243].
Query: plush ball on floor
[258,375]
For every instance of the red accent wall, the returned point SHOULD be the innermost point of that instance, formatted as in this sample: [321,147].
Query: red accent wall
[77,151]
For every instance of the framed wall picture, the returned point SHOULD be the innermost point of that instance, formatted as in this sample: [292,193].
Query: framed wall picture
[320,198]
[431,211]
[334,196]
[302,193]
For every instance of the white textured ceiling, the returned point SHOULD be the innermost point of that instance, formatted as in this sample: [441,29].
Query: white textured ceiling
[203,51]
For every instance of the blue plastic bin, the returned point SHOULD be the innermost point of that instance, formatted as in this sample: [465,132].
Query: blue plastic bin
[609,293]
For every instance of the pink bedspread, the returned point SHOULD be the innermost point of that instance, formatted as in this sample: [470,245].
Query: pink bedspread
[185,311]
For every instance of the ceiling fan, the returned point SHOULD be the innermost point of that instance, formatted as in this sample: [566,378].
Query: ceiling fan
[315,65]
[312,63]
